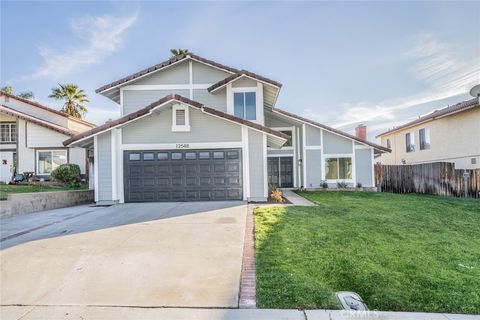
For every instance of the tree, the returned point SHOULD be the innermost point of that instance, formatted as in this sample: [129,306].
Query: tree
[8,89]
[178,52]
[73,97]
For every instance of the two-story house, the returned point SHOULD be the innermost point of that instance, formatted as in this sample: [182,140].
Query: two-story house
[194,129]
[32,135]
[451,134]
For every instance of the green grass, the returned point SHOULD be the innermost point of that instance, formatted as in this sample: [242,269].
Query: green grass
[6,189]
[399,252]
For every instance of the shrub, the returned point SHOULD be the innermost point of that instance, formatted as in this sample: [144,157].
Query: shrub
[324,184]
[342,185]
[276,195]
[68,173]
[359,184]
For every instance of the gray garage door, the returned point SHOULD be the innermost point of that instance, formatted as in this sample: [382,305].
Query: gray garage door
[183,175]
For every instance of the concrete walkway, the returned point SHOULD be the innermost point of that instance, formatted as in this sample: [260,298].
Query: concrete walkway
[295,199]
[126,313]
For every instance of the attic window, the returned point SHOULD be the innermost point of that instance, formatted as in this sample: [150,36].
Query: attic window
[180,118]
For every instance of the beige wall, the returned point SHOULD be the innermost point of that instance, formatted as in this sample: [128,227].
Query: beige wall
[454,138]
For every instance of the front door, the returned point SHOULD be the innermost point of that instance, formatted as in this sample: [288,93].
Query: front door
[280,171]
[6,166]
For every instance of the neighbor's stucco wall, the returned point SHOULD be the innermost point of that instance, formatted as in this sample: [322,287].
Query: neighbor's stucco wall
[157,128]
[455,138]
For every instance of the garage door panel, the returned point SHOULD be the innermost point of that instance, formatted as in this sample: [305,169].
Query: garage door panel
[183,175]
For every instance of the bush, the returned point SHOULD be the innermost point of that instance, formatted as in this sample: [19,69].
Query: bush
[68,173]
[324,184]
[359,184]
[276,195]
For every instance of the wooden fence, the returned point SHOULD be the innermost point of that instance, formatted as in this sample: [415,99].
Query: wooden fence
[439,178]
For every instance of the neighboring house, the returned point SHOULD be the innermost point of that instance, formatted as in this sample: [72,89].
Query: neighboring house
[32,135]
[193,129]
[451,134]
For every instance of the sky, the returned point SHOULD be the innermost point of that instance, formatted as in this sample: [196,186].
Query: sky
[341,63]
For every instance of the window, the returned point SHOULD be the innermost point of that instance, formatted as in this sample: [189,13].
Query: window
[289,141]
[204,155]
[424,136]
[410,142]
[162,156]
[148,156]
[389,146]
[473,160]
[134,156]
[49,160]
[244,105]
[190,156]
[8,132]
[180,118]
[338,168]
[218,155]
[176,156]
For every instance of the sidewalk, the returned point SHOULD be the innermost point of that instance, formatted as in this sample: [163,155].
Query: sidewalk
[132,313]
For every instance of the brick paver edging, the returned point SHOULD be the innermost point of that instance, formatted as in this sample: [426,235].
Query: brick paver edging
[248,276]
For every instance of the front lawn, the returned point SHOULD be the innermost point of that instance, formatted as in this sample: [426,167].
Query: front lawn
[21,188]
[399,252]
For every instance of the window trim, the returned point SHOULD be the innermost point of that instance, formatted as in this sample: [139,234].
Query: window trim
[186,126]
[258,89]
[10,124]
[411,139]
[37,158]
[294,138]
[425,129]
[337,156]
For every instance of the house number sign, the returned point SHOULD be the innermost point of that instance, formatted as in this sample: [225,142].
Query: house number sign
[182,145]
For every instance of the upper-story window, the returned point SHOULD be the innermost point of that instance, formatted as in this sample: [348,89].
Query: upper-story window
[424,137]
[8,132]
[410,142]
[289,134]
[244,105]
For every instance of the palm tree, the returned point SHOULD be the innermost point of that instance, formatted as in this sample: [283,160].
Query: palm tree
[73,98]
[8,89]
[178,52]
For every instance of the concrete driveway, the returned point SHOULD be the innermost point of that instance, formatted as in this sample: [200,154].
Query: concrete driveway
[149,254]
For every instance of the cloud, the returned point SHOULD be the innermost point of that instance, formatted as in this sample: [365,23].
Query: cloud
[96,38]
[436,66]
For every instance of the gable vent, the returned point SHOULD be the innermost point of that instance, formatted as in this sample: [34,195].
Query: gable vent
[180,117]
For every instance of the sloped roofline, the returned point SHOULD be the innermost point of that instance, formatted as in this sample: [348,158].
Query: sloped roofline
[163,65]
[242,73]
[40,106]
[333,130]
[173,97]
[456,108]
[46,124]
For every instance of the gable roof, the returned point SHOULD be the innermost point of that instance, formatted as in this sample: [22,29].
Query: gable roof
[242,73]
[46,124]
[40,106]
[459,107]
[163,65]
[339,132]
[174,97]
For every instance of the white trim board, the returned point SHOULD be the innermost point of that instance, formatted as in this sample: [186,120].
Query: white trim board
[185,86]
[245,164]
[181,146]
[95,166]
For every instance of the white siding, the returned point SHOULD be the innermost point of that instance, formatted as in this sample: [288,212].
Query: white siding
[41,137]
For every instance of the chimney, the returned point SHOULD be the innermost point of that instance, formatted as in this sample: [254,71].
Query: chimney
[361,131]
